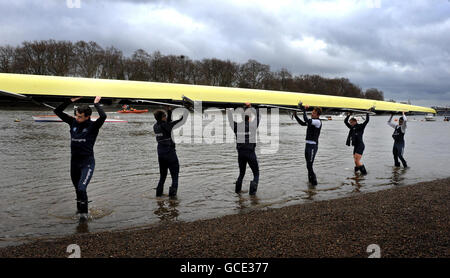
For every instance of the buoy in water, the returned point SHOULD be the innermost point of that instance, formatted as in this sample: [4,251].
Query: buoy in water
[17,120]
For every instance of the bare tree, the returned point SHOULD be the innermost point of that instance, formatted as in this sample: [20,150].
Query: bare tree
[59,58]
[216,72]
[195,72]
[31,58]
[373,93]
[285,80]
[138,67]
[156,67]
[88,59]
[252,74]
[7,57]
[112,66]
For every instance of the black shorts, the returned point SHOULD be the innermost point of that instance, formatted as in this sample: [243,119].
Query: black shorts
[359,149]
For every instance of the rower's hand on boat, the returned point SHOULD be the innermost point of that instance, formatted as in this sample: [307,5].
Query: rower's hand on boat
[97,99]
[300,105]
[372,109]
[75,99]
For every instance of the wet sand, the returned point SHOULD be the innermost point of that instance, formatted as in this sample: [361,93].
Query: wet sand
[408,221]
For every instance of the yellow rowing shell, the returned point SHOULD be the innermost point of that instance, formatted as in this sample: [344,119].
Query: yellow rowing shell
[89,87]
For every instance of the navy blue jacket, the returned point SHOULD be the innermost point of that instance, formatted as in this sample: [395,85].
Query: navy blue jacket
[245,141]
[82,135]
[355,135]
[163,132]
[312,132]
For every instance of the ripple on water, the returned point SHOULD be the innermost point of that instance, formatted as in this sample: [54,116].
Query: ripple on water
[37,197]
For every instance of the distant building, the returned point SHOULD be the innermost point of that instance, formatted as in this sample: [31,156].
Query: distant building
[442,110]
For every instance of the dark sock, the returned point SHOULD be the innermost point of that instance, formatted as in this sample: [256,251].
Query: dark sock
[172,191]
[253,188]
[78,203]
[83,202]
[159,191]
[363,170]
[238,187]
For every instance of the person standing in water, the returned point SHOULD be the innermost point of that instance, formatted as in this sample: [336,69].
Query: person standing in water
[313,127]
[83,133]
[399,139]
[167,156]
[245,133]
[355,138]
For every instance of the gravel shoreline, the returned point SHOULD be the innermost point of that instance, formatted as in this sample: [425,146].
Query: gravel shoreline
[409,221]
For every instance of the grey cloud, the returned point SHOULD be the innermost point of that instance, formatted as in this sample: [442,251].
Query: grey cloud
[400,48]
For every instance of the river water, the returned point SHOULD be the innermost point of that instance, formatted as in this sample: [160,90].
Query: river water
[37,199]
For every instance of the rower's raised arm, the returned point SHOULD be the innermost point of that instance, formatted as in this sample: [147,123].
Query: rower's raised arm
[231,121]
[403,127]
[181,120]
[367,119]
[389,122]
[102,116]
[346,121]
[59,111]
[169,115]
[305,117]
[258,117]
[302,123]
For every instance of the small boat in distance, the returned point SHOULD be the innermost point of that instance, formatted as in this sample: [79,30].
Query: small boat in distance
[132,110]
[339,117]
[430,118]
[127,109]
[54,118]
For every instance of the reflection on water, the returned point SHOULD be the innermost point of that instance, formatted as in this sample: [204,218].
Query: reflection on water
[311,192]
[357,181]
[82,227]
[398,175]
[246,202]
[37,198]
[167,209]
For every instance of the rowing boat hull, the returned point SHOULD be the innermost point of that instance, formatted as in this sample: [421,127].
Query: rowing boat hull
[88,87]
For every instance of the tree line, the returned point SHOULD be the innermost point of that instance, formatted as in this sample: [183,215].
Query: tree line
[89,59]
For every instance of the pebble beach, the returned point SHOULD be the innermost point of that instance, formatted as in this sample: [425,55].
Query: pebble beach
[410,221]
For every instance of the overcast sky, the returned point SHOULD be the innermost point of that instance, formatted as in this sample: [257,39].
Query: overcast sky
[401,47]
